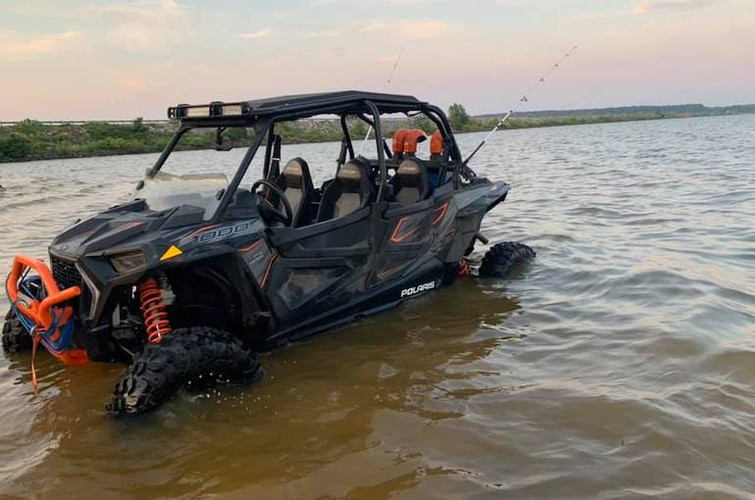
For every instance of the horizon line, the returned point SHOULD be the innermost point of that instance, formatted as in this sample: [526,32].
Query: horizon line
[476,115]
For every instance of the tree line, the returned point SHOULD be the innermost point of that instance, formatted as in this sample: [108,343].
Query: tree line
[33,140]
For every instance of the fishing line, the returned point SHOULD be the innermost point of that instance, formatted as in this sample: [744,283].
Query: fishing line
[387,82]
[395,65]
[521,101]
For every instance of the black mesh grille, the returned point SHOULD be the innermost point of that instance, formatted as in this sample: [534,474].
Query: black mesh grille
[65,273]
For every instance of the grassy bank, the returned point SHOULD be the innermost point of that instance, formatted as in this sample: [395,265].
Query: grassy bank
[32,140]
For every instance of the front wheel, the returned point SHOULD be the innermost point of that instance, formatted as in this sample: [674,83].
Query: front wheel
[504,258]
[186,356]
[15,336]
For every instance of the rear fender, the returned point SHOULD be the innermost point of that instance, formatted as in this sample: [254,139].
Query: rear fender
[496,195]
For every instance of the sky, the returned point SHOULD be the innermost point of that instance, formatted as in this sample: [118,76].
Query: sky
[89,59]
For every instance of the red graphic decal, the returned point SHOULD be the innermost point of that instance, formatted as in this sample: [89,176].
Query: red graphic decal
[397,237]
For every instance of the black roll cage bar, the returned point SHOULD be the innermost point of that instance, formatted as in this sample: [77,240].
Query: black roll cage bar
[264,130]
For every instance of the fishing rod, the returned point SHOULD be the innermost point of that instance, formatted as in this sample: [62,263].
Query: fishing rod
[387,82]
[521,101]
[395,65]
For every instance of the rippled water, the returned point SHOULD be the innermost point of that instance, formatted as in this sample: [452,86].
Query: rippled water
[620,363]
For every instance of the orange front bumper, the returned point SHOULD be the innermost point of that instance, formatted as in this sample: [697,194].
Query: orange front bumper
[48,315]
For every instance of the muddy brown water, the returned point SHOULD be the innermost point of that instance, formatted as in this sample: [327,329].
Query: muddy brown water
[619,364]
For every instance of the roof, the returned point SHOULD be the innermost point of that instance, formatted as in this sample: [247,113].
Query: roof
[302,105]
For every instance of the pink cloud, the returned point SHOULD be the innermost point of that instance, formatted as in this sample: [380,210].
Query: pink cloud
[13,47]
[671,5]
[257,34]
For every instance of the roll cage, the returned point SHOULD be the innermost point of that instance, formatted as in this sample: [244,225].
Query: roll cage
[262,115]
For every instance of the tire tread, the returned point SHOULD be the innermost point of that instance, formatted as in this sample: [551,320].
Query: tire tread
[503,258]
[15,338]
[185,357]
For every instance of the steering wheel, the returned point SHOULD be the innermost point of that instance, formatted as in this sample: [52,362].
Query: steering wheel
[285,217]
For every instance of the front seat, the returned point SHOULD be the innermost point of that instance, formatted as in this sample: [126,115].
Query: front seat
[296,183]
[410,184]
[348,192]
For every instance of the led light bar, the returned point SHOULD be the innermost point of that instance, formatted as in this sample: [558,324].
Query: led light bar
[196,112]
[232,109]
[207,110]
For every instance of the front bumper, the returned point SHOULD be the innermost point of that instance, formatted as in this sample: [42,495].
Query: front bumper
[43,308]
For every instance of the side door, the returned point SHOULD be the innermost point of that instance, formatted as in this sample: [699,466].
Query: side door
[405,240]
[316,273]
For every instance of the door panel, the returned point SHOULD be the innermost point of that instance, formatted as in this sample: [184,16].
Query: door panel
[319,267]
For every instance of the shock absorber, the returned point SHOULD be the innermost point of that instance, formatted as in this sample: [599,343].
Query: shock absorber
[154,310]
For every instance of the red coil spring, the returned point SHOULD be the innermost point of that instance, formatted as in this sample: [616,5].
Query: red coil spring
[155,313]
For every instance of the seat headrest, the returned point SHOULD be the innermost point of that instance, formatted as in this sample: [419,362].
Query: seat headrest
[294,173]
[410,173]
[351,175]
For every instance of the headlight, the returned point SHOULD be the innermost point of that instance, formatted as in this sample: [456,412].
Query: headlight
[128,261]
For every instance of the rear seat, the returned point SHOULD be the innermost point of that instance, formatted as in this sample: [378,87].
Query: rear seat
[410,184]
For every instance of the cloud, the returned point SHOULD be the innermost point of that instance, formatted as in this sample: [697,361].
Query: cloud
[257,34]
[397,30]
[140,85]
[330,33]
[671,5]
[424,29]
[143,26]
[373,27]
[144,9]
[136,37]
[420,29]
[14,47]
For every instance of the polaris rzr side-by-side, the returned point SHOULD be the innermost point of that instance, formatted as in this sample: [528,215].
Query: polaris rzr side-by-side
[197,273]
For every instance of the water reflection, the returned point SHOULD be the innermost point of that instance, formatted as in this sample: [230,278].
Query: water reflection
[619,363]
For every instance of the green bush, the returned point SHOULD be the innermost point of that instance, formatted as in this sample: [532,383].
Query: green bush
[32,140]
[15,146]
[30,127]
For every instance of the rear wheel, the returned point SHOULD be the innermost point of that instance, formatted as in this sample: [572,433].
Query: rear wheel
[504,258]
[185,358]
[15,336]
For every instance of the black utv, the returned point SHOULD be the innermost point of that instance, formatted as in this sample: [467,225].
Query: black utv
[197,272]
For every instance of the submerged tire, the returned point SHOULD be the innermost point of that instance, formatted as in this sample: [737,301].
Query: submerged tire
[15,336]
[504,258]
[185,357]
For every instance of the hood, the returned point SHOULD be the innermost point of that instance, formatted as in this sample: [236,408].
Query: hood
[121,228]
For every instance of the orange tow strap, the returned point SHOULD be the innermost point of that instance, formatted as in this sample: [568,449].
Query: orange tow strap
[35,345]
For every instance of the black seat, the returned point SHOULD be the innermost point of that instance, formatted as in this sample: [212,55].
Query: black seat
[296,183]
[410,184]
[347,193]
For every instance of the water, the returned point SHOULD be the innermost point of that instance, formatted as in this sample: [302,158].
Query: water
[619,364]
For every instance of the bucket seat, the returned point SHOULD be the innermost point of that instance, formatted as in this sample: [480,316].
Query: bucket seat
[348,192]
[410,184]
[296,183]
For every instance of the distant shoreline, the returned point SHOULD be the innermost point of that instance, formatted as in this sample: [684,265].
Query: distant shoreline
[35,141]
